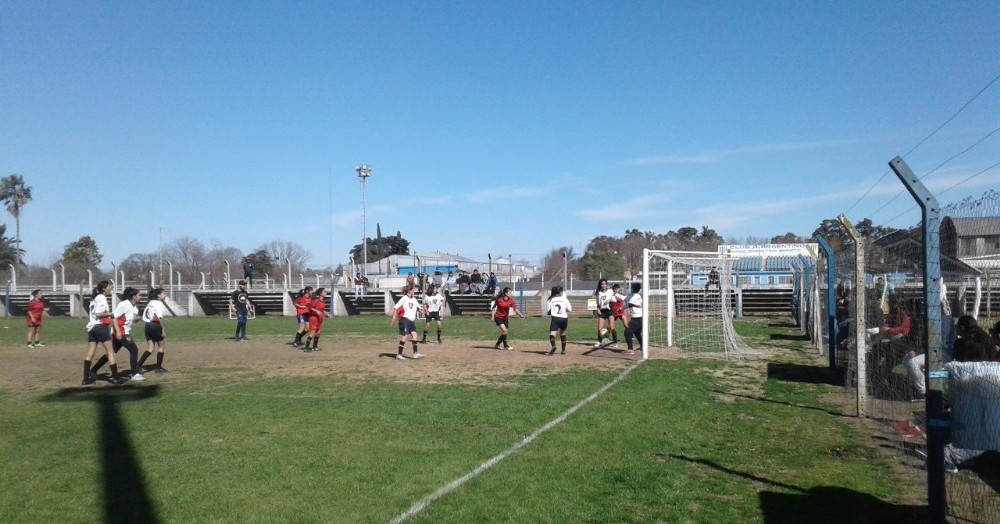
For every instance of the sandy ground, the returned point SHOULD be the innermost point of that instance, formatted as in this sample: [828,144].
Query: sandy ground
[454,361]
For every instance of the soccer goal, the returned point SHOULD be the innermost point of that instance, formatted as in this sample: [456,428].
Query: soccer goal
[690,303]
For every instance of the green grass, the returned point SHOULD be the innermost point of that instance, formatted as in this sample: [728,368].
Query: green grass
[676,441]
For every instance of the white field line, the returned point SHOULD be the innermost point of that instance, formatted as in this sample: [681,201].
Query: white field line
[459,482]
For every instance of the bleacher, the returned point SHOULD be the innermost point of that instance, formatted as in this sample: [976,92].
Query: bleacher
[265,302]
[58,304]
[761,301]
[367,304]
[471,304]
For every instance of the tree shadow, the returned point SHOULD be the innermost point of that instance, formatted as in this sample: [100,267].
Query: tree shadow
[821,504]
[789,404]
[807,374]
[126,496]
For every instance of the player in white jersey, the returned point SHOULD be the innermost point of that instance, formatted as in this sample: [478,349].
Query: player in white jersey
[125,315]
[558,307]
[605,319]
[99,328]
[433,306]
[155,332]
[405,310]
[634,303]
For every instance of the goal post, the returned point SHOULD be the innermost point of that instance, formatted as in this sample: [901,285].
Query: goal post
[689,300]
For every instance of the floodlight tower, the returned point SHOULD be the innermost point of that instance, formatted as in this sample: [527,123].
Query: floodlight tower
[364,171]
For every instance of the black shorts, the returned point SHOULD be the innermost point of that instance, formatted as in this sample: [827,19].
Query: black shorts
[303,318]
[433,315]
[154,332]
[501,322]
[100,334]
[605,313]
[558,324]
[406,326]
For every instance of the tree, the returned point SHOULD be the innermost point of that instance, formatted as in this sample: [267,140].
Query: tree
[187,255]
[14,195]
[9,253]
[138,265]
[603,265]
[263,263]
[384,247]
[787,238]
[836,235]
[552,264]
[279,250]
[84,251]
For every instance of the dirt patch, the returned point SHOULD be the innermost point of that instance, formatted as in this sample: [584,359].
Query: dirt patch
[453,362]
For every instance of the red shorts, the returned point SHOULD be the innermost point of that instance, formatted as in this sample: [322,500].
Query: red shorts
[34,323]
[315,324]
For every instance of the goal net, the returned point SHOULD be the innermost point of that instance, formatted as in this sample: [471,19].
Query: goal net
[690,303]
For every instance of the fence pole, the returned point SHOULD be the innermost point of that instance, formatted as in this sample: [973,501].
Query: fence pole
[831,307]
[860,327]
[937,424]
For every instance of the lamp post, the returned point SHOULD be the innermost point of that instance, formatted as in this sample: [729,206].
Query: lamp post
[364,171]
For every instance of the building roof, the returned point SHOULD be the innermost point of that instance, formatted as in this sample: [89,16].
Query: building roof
[976,227]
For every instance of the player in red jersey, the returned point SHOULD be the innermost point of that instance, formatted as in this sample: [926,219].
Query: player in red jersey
[618,312]
[501,312]
[36,308]
[318,313]
[302,311]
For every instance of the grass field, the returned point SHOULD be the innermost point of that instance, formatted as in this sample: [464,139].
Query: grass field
[257,432]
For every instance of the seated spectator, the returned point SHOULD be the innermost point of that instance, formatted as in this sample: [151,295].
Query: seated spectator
[491,285]
[915,363]
[451,282]
[476,282]
[463,283]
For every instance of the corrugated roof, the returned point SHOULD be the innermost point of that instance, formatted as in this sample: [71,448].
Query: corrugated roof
[976,227]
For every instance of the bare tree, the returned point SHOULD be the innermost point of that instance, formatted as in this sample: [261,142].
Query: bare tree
[552,263]
[280,250]
[188,256]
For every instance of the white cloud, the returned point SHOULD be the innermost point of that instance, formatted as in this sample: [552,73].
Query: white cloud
[708,157]
[643,206]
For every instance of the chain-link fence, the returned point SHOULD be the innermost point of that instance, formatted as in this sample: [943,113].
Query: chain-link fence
[905,360]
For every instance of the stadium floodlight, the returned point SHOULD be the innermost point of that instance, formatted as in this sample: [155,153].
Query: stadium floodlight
[364,171]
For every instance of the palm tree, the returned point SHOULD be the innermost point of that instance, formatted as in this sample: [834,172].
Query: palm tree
[14,194]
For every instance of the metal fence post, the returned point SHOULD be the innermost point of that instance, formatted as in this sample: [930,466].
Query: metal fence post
[860,326]
[937,424]
[831,291]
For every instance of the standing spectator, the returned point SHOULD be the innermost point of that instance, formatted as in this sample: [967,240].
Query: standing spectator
[248,272]
[713,280]
[491,285]
[156,334]
[240,304]
[604,298]
[634,302]
[559,308]
[433,304]
[410,282]
[99,327]
[500,315]
[359,286]
[438,279]
[302,310]
[317,312]
[405,311]
[36,309]
[124,316]
[422,281]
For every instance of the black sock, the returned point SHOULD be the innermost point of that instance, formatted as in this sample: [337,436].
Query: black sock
[316,342]
[159,359]
[425,335]
[562,339]
[400,348]
[100,362]
[114,370]
[308,341]
[614,336]
[86,369]
[145,355]
[504,337]
[499,341]
[414,346]
[439,335]
[298,338]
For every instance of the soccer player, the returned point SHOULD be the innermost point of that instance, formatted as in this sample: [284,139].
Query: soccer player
[156,334]
[36,308]
[501,313]
[634,328]
[558,308]
[317,312]
[433,304]
[124,315]
[240,303]
[405,311]
[604,299]
[302,311]
[618,312]
[99,327]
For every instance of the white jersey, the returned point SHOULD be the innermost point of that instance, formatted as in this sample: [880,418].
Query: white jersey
[434,303]
[98,305]
[409,305]
[634,302]
[155,310]
[605,298]
[128,310]
[559,307]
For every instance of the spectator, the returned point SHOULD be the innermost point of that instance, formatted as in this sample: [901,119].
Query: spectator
[359,286]
[476,282]
[438,279]
[451,283]
[463,283]
[915,363]
[713,280]
[248,272]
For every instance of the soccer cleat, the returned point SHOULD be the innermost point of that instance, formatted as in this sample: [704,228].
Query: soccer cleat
[296,345]
[597,345]
[137,377]
[307,350]
[89,380]
[563,352]
[496,346]
[315,348]
[159,370]
[614,346]
[553,351]
[439,341]
[950,468]
[399,356]
[509,348]
[629,352]
[39,345]
[117,381]
[417,354]
[31,344]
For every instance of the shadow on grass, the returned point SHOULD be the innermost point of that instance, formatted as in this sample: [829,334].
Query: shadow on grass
[789,404]
[820,504]
[807,374]
[126,497]
[797,338]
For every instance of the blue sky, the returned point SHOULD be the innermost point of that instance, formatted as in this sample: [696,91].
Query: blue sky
[501,127]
